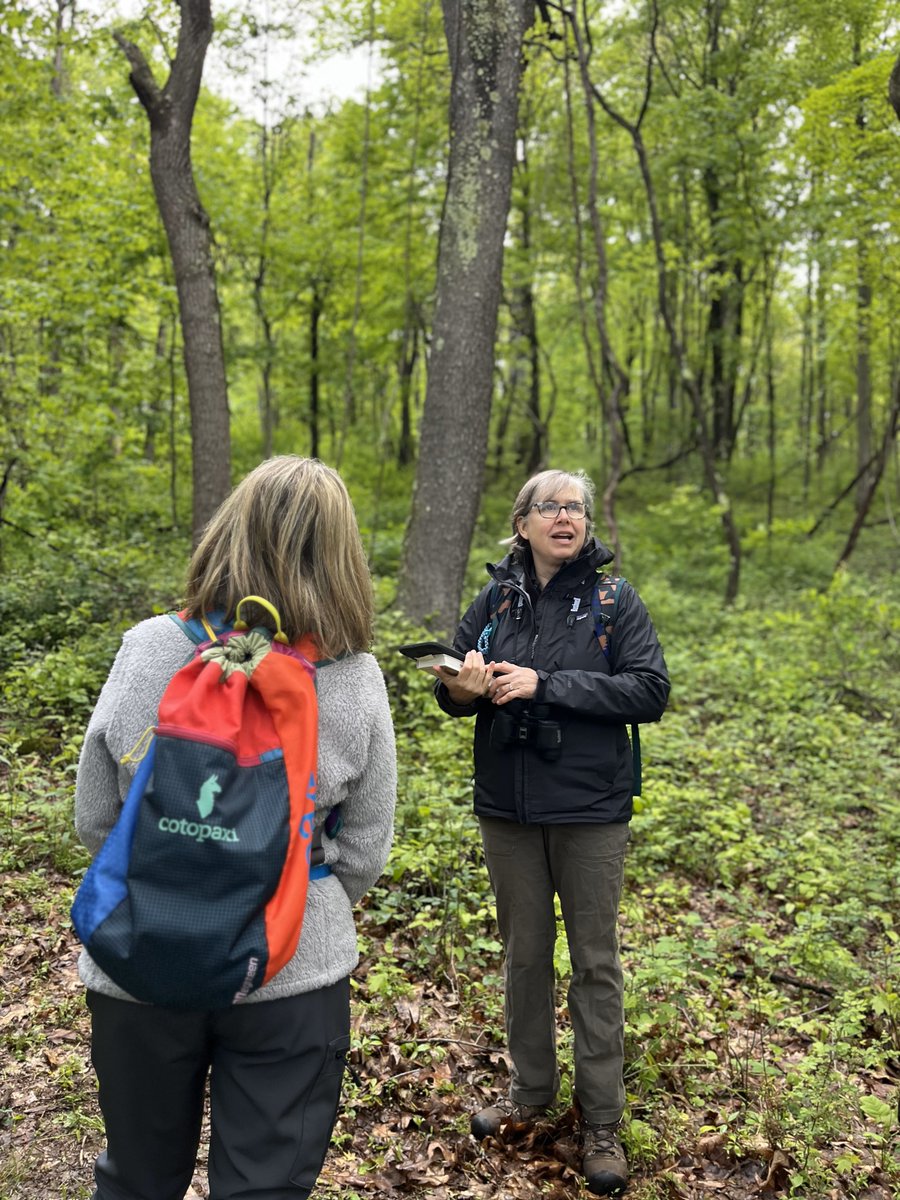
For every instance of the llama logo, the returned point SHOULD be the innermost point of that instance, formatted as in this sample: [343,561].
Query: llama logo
[207,798]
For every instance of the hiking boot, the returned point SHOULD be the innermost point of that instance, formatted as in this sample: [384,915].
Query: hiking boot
[487,1122]
[604,1165]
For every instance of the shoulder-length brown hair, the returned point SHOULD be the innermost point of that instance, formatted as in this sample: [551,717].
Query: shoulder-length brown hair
[288,533]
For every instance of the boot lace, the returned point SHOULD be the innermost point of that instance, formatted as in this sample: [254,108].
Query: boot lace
[601,1139]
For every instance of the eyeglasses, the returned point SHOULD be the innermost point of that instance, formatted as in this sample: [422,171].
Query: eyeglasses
[550,509]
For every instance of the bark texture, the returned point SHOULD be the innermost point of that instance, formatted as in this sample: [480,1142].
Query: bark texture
[485,45]
[170,110]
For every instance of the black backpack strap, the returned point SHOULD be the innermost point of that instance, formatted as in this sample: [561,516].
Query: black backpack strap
[605,605]
[498,602]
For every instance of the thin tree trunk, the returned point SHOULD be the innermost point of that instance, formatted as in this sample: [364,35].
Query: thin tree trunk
[578,264]
[170,110]
[874,478]
[526,311]
[820,364]
[863,326]
[59,81]
[408,354]
[315,366]
[807,381]
[772,422]
[173,417]
[611,401]
[349,379]
[863,370]
[688,380]
[154,408]
[268,411]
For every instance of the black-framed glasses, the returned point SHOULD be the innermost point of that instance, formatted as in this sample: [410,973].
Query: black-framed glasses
[550,509]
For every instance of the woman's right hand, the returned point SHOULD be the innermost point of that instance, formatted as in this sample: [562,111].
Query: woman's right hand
[472,680]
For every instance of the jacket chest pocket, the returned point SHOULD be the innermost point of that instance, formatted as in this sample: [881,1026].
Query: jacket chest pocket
[570,645]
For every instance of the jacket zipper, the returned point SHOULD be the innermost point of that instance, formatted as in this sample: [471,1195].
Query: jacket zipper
[520,797]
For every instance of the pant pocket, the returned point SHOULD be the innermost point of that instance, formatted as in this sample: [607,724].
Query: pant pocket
[319,1114]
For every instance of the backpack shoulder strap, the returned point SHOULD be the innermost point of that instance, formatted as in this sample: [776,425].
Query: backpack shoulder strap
[604,606]
[190,627]
[200,629]
[498,602]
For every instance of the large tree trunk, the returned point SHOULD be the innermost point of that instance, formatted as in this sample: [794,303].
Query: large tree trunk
[170,111]
[485,44]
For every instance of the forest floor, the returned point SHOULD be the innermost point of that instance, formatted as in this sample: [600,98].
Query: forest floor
[760,935]
[425,1057]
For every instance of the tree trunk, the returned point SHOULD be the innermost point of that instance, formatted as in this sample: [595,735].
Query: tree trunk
[523,309]
[315,367]
[170,111]
[676,345]
[807,383]
[484,38]
[578,263]
[873,476]
[408,355]
[59,83]
[153,409]
[268,410]
[173,417]
[406,365]
[610,397]
[863,373]
[820,350]
[352,339]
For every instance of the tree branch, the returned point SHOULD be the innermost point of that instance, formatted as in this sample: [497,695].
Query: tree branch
[842,495]
[142,78]
[685,452]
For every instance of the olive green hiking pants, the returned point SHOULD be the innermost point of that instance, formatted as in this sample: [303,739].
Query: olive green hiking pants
[583,865]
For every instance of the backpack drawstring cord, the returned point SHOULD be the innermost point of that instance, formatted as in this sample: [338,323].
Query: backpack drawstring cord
[138,751]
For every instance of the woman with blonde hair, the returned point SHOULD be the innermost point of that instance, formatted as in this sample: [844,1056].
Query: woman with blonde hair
[274,1061]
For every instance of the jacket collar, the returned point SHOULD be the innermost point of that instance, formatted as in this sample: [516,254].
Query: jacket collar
[515,571]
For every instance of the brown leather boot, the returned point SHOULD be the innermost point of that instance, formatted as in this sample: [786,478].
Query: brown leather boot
[487,1122]
[604,1165]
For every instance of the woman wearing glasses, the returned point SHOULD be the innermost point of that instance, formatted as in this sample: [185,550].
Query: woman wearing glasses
[553,792]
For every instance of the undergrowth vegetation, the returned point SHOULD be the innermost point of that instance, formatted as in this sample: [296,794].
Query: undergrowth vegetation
[760,923]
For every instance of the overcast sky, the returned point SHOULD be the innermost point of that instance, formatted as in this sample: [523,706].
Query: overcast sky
[278,60]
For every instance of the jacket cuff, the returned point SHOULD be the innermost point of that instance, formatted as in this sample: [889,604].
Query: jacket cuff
[541,688]
[450,707]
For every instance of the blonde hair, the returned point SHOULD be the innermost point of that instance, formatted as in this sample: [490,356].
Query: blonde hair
[288,533]
[544,486]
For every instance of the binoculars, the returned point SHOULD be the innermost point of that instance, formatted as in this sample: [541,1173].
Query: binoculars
[531,728]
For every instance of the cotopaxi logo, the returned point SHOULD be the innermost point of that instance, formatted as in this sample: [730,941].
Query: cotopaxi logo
[200,833]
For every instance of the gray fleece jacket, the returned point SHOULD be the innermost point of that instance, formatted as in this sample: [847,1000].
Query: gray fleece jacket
[357,770]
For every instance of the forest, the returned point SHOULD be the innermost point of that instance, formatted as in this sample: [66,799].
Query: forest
[656,240]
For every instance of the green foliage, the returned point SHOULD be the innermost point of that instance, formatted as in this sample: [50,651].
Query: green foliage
[762,911]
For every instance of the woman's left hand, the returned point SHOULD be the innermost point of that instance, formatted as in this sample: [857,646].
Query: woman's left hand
[512,683]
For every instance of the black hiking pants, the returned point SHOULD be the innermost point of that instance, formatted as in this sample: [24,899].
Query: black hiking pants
[274,1068]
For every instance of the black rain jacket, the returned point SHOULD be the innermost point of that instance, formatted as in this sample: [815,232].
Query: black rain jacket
[591,698]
